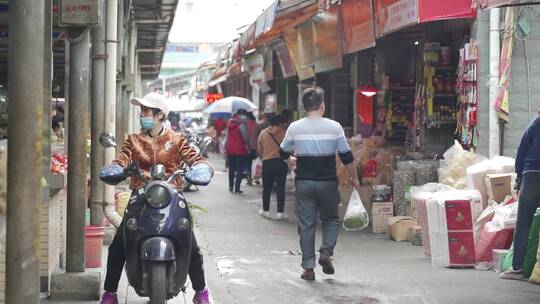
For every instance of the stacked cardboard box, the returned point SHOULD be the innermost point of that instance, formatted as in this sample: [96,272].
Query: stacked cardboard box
[380,214]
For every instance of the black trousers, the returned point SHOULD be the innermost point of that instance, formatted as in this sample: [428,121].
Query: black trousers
[236,171]
[117,259]
[274,171]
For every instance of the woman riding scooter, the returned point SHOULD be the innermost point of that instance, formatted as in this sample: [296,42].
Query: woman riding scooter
[154,145]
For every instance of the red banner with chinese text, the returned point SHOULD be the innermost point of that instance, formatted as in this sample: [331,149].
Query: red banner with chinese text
[393,15]
[358,31]
[433,10]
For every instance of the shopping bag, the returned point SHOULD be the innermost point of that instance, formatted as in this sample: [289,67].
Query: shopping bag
[256,168]
[356,217]
[507,264]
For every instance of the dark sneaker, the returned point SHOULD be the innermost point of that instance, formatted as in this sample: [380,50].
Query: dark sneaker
[512,274]
[308,275]
[109,298]
[327,266]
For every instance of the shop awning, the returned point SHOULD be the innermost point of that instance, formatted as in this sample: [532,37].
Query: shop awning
[487,4]
[154,20]
[289,14]
[217,80]
[393,15]
[265,22]
[434,10]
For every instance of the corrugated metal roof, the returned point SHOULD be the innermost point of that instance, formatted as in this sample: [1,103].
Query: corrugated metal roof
[154,19]
[265,22]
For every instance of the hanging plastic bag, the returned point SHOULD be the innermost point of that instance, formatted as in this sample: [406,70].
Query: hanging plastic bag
[356,217]
[256,168]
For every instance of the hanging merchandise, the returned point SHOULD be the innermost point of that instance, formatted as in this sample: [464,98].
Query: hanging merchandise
[466,88]
[501,103]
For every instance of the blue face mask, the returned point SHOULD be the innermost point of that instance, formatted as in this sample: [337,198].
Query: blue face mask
[147,123]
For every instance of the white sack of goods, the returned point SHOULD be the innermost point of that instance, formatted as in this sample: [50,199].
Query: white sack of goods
[451,215]
[453,171]
[476,173]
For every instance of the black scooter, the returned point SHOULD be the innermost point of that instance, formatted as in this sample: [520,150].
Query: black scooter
[157,228]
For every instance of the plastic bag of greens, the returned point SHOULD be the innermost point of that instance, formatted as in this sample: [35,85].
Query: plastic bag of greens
[356,217]
[507,264]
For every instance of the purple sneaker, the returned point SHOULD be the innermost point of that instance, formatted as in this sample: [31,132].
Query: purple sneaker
[202,297]
[109,298]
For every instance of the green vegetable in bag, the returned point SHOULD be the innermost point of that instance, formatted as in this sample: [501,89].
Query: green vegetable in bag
[507,264]
[356,217]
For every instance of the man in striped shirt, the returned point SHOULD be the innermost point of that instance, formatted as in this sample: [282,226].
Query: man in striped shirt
[315,140]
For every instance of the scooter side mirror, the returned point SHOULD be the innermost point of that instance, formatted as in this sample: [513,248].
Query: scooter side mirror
[195,148]
[206,143]
[107,140]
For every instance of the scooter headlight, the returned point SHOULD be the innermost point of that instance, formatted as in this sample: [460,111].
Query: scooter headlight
[183,224]
[132,224]
[158,196]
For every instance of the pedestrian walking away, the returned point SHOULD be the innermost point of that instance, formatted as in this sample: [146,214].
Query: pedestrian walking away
[237,148]
[274,171]
[155,144]
[315,141]
[528,179]
[251,125]
[220,125]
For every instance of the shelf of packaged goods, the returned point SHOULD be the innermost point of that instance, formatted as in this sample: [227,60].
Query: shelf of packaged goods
[445,96]
[445,68]
[446,122]
[402,89]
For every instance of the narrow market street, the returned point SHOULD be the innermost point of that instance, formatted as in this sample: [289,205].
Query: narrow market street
[249,259]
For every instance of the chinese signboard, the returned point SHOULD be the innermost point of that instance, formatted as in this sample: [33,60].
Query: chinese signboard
[291,38]
[327,31]
[79,12]
[392,15]
[435,10]
[358,31]
[255,65]
[285,60]
[364,109]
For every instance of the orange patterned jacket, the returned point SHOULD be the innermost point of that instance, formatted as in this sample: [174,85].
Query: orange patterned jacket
[169,149]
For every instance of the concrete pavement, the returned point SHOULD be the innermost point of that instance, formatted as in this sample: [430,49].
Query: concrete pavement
[249,259]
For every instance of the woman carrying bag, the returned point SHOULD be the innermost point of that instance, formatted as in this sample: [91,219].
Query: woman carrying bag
[274,168]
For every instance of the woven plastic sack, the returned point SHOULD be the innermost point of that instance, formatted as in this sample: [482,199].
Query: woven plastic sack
[535,276]
[356,217]
[532,246]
